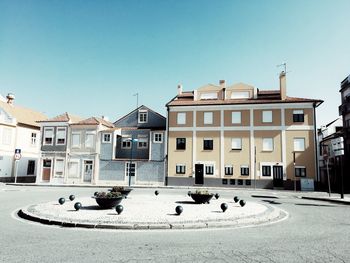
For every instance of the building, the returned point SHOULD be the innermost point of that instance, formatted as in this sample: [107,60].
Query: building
[241,136]
[133,153]
[18,130]
[86,138]
[344,111]
[329,162]
[55,148]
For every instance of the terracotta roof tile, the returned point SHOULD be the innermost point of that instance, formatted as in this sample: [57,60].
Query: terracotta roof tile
[65,117]
[95,121]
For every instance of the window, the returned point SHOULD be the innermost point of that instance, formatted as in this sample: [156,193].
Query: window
[48,136]
[228,170]
[208,118]
[300,171]
[130,169]
[75,140]
[89,140]
[181,118]
[299,144]
[244,170]
[59,168]
[31,167]
[33,138]
[240,95]
[236,144]
[180,143]
[6,136]
[266,170]
[143,115]
[232,181]
[208,144]
[224,181]
[266,116]
[248,182]
[209,169]
[298,116]
[267,144]
[158,137]
[73,170]
[142,143]
[209,96]
[180,169]
[236,117]
[61,136]
[240,182]
[126,142]
[106,138]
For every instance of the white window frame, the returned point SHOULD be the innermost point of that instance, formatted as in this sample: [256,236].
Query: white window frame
[72,140]
[104,137]
[236,143]
[157,137]
[127,168]
[230,169]
[53,136]
[261,170]
[58,135]
[267,116]
[56,173]
[34,137]
[236,117]
[181,118]
[244,166]
[296,144]
[142,116]
[180,169]
[87,134]
[300,167]
[127,139]
[142,142]
[210,166]
[267,144]
[240,95]
[209,96]
[208,117]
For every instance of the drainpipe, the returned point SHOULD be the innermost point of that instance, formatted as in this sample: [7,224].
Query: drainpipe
[315,145]
[166,163]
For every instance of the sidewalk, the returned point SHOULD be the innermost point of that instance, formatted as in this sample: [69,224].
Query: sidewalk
[323,196]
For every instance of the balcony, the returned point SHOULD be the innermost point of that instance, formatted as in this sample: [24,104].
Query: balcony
[344,108]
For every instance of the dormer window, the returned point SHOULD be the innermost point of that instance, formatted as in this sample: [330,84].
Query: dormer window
[240,95]
[143,116]
[209,96]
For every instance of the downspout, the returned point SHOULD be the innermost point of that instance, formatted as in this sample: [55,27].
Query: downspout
[315,145]
[167,148]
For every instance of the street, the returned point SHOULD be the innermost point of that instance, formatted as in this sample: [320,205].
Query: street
[314,232]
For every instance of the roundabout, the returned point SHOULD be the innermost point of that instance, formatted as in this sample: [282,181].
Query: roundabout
[154,212]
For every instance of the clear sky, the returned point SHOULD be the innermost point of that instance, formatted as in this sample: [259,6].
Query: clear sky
[90,57]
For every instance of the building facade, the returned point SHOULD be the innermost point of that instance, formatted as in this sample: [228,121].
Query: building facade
[134,151]
[241,136]
[19,132]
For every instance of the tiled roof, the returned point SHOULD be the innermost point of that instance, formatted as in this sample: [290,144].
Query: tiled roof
[23,115]
[95,121]
[65,117]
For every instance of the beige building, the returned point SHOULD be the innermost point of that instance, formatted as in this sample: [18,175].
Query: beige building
[239,135]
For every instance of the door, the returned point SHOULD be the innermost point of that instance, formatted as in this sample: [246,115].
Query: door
[199,174]
[278,176]
[46,174]
[88,170]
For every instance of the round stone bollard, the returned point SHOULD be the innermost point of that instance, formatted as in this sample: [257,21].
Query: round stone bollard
[189,193]
[224,207]
[236,199]
[179,210]
[61,200]
[119,209]
[156,192]
[242,203]
[71,197]
[217,195]
[77,206]
[95,193]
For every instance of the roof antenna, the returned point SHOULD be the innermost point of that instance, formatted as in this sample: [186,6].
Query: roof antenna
[137,100]
[284,65]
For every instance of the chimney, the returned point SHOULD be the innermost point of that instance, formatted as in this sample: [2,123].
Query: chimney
[105,118]
[179,89]
[10,98]
[222,83]
[283,85]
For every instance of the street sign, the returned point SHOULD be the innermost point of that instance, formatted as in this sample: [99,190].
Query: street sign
[18,156]
[338,146]
[18,151]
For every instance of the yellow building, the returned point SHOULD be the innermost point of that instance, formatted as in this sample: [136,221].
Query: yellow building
[241,136]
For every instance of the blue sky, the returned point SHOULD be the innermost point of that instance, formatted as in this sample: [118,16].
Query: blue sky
[90,57]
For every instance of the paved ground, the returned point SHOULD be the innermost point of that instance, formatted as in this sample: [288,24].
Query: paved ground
[314,232]
[145,211]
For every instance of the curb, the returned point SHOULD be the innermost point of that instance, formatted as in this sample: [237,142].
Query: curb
[273,215]
[343,202]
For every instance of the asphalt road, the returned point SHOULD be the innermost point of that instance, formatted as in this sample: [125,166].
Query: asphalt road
[314,232]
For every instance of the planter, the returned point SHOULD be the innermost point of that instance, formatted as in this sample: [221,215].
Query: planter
[201,198]
[124,192]
[107,203]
